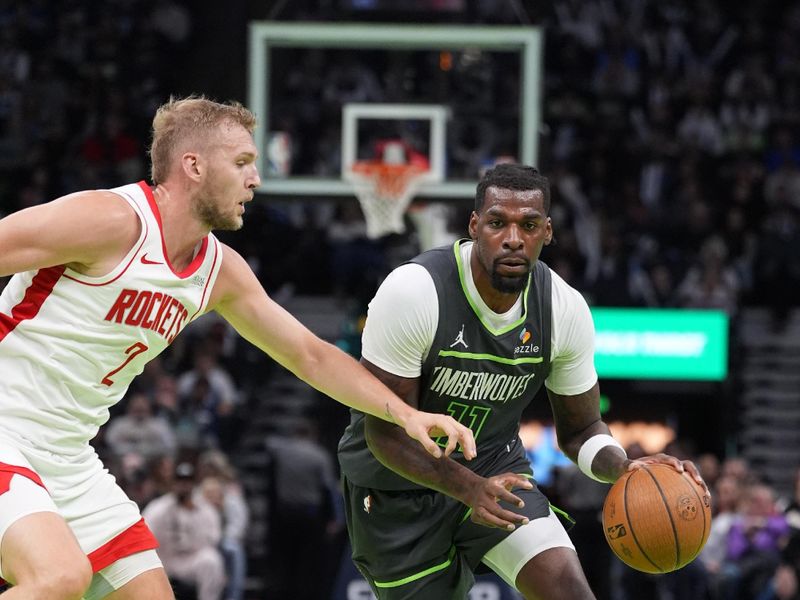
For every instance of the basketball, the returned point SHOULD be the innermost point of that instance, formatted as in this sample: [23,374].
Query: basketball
[655,519]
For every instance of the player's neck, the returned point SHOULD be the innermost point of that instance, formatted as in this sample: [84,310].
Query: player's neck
[182,231]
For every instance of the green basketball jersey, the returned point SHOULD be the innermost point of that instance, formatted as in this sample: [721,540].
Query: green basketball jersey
[482,377]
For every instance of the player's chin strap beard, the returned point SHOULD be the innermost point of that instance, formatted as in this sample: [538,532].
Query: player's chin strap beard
[509,285]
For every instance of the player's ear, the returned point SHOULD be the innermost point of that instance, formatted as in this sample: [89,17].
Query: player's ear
[190,164]
[473,225]
[548,236]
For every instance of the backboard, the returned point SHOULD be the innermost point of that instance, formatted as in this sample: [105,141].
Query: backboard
[302,76]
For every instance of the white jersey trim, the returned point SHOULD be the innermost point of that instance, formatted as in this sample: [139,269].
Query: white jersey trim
[216,264]
[123,265]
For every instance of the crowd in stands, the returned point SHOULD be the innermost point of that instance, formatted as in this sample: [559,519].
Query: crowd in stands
[675,150]
[671,134]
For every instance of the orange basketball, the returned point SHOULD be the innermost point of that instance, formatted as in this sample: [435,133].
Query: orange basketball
[655,519]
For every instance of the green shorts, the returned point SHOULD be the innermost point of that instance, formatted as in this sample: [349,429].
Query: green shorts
[421,544]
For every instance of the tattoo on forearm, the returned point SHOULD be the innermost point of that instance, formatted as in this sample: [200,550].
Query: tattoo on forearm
[389,416]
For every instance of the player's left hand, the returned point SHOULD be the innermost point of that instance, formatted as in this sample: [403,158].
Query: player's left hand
[665,459]
[423,426]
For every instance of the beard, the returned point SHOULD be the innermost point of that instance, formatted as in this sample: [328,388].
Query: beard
[508,284]
[208,210]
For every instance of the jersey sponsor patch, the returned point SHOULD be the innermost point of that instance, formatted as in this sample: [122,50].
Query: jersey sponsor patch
[526,346]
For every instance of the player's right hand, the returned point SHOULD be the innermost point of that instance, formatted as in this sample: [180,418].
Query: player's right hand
[425,427]
[484,501]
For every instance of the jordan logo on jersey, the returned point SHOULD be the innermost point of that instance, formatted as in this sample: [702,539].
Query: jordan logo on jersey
[156,311]
[460,339]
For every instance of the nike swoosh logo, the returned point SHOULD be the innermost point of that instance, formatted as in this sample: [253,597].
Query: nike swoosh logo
[147,261]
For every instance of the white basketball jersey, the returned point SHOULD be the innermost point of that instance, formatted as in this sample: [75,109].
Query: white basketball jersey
[71,344]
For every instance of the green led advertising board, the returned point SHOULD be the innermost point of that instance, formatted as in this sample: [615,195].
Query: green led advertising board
[661,344]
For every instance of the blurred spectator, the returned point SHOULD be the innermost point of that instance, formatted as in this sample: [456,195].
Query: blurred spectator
[159,478]
[356,262]
[303,514]
[165,394]
[710,283]
[739,469]
[754,543]
[778,275]
[139,431]
[207,367]
[207,402]
[110,152]
[198,416]
[188,531]
[709,466]
[725,500]
[222,489]
[785,584]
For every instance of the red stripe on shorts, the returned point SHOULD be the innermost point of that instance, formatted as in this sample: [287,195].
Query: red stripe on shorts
[136,538]
[8,471]
[40,288]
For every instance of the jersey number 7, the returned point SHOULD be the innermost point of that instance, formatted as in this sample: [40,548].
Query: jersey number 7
[132,352]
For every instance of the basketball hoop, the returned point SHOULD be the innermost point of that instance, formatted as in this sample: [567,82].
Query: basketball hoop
[384,191]
[386,181]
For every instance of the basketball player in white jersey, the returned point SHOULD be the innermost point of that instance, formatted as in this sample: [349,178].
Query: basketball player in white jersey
[104,281]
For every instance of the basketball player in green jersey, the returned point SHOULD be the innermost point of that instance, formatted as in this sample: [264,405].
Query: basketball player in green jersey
[473,331]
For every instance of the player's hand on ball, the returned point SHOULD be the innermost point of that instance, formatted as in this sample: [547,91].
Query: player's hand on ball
[424,426]
[676,463]
[484,498]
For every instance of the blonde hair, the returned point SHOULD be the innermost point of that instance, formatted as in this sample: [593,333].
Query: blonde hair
[196,119]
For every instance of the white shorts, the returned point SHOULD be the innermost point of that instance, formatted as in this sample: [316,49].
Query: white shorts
[105,521]
[509,556]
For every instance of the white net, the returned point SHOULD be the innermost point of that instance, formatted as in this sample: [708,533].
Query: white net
[384,191]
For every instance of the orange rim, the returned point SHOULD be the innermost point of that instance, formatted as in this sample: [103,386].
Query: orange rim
[390,180]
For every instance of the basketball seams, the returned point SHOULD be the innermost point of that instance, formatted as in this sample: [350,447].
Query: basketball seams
[651,507]
[669,514]
[701,508]
[630,523]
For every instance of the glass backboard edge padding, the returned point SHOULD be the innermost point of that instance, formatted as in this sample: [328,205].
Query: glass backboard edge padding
[266,34]
[258,99]
[361,35]
[531,106]
[316,186]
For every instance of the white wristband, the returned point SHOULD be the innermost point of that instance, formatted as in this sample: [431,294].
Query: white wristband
[589,450]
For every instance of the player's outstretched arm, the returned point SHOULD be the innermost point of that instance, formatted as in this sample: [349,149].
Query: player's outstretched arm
[88,231]
[239,298]
[444,475]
